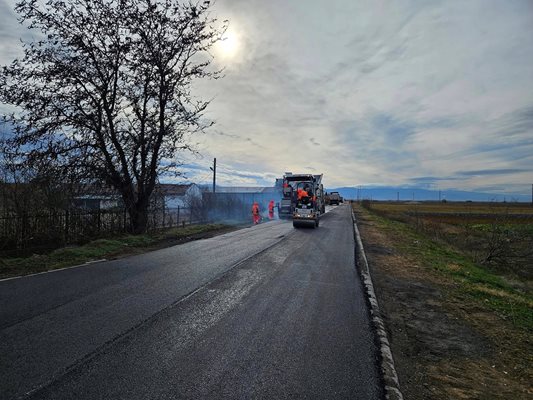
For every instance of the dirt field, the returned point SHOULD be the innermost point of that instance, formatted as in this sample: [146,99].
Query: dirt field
[458,329]
[498,236]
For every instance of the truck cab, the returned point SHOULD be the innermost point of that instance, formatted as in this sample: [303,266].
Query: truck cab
[335,198]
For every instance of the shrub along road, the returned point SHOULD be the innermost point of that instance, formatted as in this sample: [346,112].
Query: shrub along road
[289,320]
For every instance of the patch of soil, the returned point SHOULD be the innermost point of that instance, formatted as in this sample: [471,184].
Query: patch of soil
[443,346]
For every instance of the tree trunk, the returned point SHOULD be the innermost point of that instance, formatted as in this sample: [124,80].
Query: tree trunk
[139,218]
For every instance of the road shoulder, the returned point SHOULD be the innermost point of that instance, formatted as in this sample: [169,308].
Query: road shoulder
[443,346]
[105,249]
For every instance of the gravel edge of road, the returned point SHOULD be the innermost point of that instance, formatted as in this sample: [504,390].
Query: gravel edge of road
[390,377]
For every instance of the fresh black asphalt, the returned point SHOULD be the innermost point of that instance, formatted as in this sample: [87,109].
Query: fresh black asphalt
[288,322]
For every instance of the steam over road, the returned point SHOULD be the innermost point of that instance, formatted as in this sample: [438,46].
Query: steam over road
[263,312]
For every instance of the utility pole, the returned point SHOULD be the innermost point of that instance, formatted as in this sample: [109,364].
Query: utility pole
[214,169]
[397,196]
[439,195]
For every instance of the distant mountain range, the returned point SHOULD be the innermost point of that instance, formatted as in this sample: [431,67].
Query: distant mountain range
[417,194]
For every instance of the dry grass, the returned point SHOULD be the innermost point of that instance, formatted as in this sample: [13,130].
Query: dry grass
[454,207]
[498,235]
[458,330]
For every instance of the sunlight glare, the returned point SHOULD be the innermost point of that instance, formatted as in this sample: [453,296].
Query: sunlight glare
[229,45]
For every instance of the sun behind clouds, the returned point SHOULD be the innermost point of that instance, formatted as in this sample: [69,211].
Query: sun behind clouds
[229,46]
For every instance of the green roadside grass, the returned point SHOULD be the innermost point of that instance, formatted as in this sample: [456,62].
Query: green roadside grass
[119,246]
[469,280]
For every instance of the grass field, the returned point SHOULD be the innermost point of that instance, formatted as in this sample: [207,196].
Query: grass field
[485,247]
[498,236]
[456,207]
[460,324]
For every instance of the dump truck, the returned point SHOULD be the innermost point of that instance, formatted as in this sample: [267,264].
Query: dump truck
[335,198]
[304,210]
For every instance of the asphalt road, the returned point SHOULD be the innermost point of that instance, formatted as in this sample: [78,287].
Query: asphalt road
[264,312]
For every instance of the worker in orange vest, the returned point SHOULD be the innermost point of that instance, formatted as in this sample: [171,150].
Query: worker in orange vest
[255,212]
[302,193]
[271,209]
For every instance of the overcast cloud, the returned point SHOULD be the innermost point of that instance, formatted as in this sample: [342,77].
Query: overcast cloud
[368,92]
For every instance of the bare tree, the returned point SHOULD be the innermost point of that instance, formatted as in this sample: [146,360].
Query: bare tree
[107,90]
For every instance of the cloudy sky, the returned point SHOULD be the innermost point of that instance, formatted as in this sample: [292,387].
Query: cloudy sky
[437,94]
